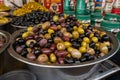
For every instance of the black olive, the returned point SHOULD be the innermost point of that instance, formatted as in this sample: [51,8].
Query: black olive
[90,27]
[69,60]
[24,52]
[69,29]
[21,41]
[79,40]
[48,45]
[96,34]
[87,34]
[52,22]
[109,48]
[50,41]
[92,44]
[57,23]
[23,46]
[75,45]
[72,40]
[83,59]
[59,33]
[82,36]
[68,20]
[86,55]
[37,52]
[105,38]
[44,32]
[53,35]
[90,58]
[31,45]
[61,15]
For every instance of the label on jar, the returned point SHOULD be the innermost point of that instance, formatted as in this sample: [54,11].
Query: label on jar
[113,19]
[117,4]
[86,21]
[108,7]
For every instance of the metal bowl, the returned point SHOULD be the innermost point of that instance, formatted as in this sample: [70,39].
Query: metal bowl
[7,37]
[115,47]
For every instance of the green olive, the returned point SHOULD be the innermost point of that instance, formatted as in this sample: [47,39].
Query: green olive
[29,41]
[67,44]
[91,51]
[60,46]
[53,58]
[75,34]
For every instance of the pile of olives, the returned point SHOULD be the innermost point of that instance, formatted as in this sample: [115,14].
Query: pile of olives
[29,7]
[2,41]
[4,7]
[62,40]
[33,18]
[3,20]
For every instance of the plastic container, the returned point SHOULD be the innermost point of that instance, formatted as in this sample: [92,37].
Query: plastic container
[18,75]
[96,19]
[112,17]
[110,26]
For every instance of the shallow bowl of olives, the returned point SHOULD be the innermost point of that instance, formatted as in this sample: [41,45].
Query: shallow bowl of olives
[45,49]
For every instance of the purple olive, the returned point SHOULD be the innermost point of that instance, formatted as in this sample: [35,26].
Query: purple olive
[53,47]
[31,56]
[29,37]
[43,42]
[61,60]
[66,38]
[61,53]
[19,49]
[46,51]
[35,29]
[61,19]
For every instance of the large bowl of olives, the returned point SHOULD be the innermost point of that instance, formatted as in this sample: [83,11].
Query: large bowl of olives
[62,43]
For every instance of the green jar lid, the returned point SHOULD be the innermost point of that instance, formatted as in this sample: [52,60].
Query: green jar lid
[110,24]
[69,12]
[112,17]
[98,11]
[83,17]
[106,28]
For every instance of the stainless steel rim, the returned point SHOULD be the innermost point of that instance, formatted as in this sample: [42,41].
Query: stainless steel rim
[115,45]
[7,37]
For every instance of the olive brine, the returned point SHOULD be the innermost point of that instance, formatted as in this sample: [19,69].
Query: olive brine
[62,40]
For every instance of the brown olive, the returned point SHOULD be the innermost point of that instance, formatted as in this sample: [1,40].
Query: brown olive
[91,51]
[46,51]
[66,38]
[53,27]
[107,43]
[42,58]
[43,42]
[102,54]
[61,53]
[103,48]
[63,30]
[57,40]
[67,34]
[46,25]
[31,56]
[53,47]
[60,46]
[61,19]
[41,36]
[29,37]
[76,54]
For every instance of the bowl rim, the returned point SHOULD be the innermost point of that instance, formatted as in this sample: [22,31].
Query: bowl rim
[114,50]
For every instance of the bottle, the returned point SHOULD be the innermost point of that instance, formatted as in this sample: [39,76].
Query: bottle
[116,7]
[80,7]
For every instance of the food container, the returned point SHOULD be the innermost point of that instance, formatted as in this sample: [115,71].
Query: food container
[76,71]
[3,51]
[110,26]
[19,75]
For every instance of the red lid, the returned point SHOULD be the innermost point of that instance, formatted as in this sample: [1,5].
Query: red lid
[116,10]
